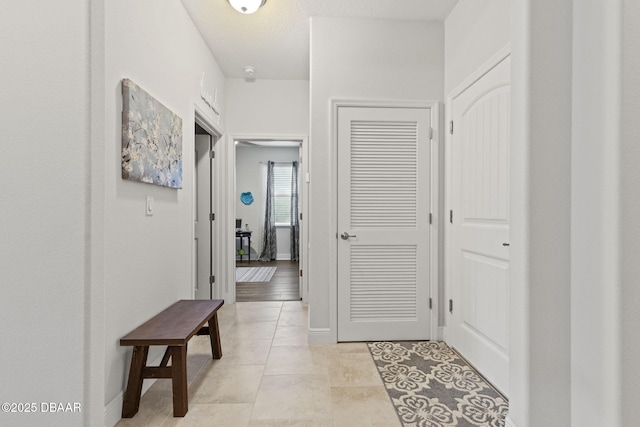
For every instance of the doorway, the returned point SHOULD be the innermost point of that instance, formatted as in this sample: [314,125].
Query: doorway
[204,258]
[384,226]
[273,274]
[479,223]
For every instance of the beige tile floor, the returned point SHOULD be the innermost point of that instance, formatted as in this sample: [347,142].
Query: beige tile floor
[269,376]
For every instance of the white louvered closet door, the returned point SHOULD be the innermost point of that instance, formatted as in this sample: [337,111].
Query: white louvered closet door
[383,223]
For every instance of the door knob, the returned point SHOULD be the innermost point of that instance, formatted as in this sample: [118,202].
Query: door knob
[346,235]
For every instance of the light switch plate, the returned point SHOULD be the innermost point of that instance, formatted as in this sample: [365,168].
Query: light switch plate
[149,210]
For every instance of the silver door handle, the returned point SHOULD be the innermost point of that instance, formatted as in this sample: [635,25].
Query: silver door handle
[346,235]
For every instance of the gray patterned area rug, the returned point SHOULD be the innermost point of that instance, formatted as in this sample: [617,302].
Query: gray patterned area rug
[430,385]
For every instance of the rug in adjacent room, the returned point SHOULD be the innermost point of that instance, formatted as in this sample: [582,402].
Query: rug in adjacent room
[430,385]
[254,274]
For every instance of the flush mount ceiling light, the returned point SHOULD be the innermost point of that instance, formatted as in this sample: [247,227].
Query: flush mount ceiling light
[249,71]
[247,6]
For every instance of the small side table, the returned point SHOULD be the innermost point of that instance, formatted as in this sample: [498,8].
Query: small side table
[242,235]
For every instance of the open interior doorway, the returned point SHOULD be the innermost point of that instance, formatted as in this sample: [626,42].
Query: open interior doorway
[202,215]
[205,232]
[268,206]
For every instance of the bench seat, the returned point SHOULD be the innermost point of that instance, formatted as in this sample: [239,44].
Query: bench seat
[173,327]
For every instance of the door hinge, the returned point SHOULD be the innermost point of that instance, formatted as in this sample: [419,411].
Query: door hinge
[451,217]
[212,217]
[451,127]
[300,273]
[430,218]
[430,303]
[212,154]
[450,306]
[212,280]
[430,133]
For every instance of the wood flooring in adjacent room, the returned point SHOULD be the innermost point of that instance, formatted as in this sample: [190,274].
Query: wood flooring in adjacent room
[283,286]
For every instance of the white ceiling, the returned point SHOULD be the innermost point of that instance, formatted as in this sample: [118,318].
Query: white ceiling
[275,39]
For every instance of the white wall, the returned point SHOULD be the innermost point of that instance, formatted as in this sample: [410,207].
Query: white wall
[628,46]
[578,194]
[473,32]
[594,164]
[147,264]
[249,178]
[44,105]
[267,107]
[358,59]
[541,214]
[605,205]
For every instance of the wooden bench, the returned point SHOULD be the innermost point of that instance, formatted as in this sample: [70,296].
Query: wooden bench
[173,327]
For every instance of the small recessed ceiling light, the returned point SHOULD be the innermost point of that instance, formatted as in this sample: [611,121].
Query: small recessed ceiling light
[247,6]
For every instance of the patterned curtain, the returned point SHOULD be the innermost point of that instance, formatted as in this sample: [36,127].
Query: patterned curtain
[269,245]
[295,227]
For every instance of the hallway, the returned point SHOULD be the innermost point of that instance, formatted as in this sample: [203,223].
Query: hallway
[270,376]
[283,286]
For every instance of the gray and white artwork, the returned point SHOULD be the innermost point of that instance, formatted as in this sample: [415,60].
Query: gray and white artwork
[151,139]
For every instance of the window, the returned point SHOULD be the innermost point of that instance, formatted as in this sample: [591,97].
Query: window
[282,192]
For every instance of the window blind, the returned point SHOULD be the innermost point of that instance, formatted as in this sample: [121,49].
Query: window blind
[282,192]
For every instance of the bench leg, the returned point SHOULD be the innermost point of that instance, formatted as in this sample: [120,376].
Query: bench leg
[179,379]
[131,401]
[165,358]
[214,336]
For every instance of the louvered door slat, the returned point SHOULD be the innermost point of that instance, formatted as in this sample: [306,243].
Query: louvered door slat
[383,174]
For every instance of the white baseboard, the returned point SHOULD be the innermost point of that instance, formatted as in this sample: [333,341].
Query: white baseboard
[442,333]
[113,410]
[283,257]
[509,423]
[320,336]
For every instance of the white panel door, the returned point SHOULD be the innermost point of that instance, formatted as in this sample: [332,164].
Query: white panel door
[479,222]
[383,223]
[203,231]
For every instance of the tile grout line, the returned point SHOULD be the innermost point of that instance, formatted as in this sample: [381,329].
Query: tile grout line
[264,367]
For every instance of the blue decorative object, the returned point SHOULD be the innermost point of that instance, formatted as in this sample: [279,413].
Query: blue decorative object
[246,198]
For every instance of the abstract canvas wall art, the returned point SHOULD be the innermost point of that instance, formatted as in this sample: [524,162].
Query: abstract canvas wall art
[151,139]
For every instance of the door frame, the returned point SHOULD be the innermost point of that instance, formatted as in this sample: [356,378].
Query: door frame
[434,108]
[485,68]
[204,121]
[196,199]
[230,211]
